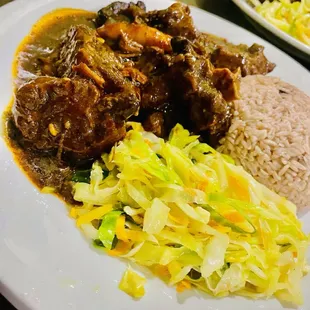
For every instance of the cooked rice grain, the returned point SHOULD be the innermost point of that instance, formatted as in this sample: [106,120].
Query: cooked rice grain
[269,136]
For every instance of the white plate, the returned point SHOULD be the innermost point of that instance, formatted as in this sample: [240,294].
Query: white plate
[300,46]
[44,261]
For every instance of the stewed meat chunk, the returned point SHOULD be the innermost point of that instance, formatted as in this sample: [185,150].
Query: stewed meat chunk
[251,60]
[61,113]
[121,12]
[175,20]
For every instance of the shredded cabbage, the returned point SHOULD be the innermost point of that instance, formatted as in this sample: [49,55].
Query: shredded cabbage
[106,231]
[291,17]
[193,217]
[132,284]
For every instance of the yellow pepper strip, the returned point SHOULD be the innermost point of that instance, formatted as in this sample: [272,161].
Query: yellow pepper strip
[218,227]
[183,221]
[183,285]
[73,213]
[161,271]
[136,235]
[202,186]
[239,187]
[223,229]
[120,249]
[148,142]
[120,229]
[96,213]
[126,234]
[234,217]
[212,223]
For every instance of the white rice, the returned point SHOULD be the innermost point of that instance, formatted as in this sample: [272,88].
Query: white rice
[269,136]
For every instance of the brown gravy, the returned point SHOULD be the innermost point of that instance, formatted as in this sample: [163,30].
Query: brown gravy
[44,170]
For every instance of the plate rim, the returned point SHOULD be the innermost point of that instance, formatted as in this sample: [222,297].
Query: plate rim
[8,292]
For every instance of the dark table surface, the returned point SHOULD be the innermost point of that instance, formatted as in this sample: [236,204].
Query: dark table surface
[223,8]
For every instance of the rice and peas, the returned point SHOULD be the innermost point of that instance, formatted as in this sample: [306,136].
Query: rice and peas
[269,136]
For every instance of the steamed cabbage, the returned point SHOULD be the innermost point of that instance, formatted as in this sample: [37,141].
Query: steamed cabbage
[193,217]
